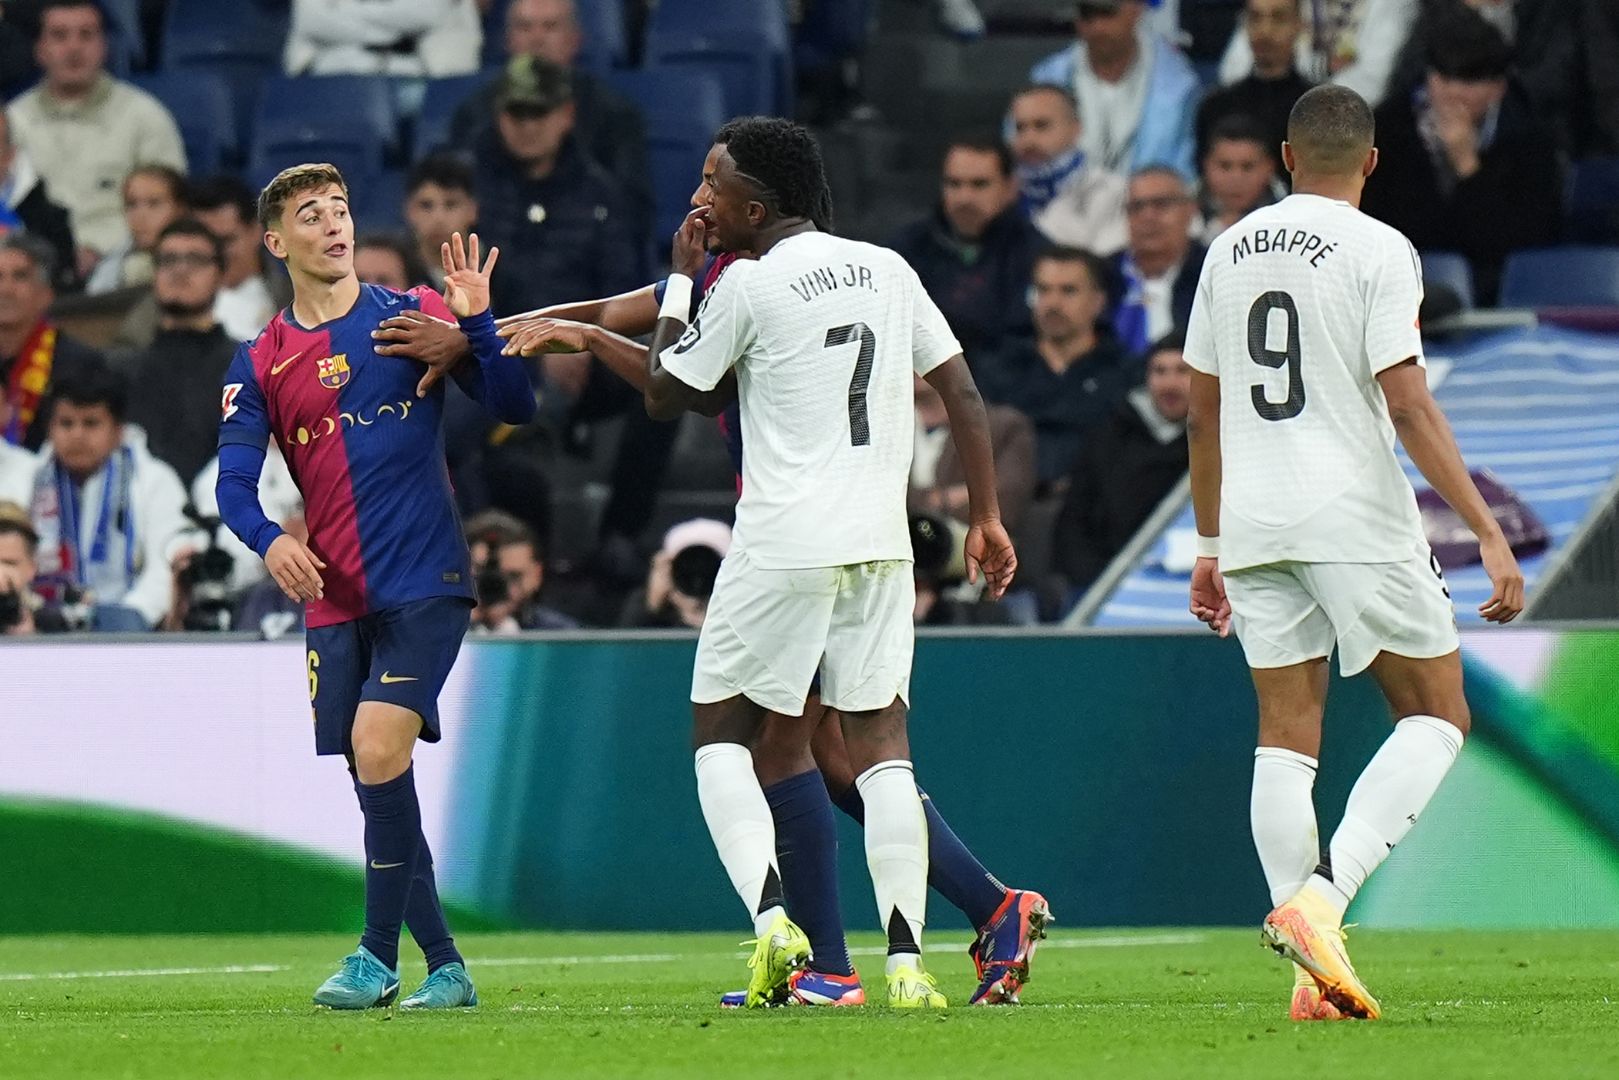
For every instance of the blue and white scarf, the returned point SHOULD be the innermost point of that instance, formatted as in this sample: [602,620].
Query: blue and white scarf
[109,567]
[1041,183]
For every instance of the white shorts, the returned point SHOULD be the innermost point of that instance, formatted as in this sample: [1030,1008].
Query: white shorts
[1287,613]
[767,631]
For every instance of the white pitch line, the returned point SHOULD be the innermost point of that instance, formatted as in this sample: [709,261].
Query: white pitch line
[144,973]
[1113,942]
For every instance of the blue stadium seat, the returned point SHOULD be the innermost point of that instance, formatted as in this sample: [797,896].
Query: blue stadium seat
[202,104]
[743,42]
[683,109]
[379,202]
[1452,271]
[444,97]
[1593,201]
[126,46]
[1561,277]
[240,41]
[346,100]
[285,141]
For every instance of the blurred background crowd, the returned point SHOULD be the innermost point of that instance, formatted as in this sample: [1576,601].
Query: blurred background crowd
[1052,170]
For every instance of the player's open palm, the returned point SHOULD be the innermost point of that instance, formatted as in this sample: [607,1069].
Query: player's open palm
[989,549]
[1209,601]
[1506,600]
[295,568]
[531,337]
[466,283]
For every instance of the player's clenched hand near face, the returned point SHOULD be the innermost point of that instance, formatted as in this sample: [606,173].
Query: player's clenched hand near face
[466,285]
[989,549]
[295,568]
[1209,601]
[690,245]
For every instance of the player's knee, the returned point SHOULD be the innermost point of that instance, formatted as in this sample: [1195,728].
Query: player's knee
[378,757]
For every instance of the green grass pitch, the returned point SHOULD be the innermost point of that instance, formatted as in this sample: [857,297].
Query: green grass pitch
[1128,1004]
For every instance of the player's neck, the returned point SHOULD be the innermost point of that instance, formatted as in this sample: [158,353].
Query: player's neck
[775,234]
[315,302]
[1342,188]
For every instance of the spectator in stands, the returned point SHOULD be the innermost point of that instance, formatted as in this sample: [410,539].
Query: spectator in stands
[681,578]
[557,216]
[439,202]
[34,354]
[1355,43]
[1157,274]
[1070,200]
[247,299]
[1136,93]
[1238,175]
[174,384]
[384,259]
[411,38]
[26,205]
[155,197]
[85,130]
[509,572]
[607,125]
[22,610]
[1073,373]
[938,480]
[1133,459]
[16,464]
[109,515]
[975,251]
[1267,92]
[1463,163]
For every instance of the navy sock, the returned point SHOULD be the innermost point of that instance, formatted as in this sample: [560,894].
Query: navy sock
[393,835]
[807,852]
[424,914]
[952,870]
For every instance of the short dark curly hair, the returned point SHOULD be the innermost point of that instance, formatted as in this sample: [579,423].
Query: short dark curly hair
[784,159]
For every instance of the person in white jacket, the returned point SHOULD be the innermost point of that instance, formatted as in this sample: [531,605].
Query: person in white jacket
[412,38]
[279,497]
[1354,43]
[110,516]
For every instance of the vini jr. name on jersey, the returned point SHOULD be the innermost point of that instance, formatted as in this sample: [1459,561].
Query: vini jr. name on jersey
[827,280]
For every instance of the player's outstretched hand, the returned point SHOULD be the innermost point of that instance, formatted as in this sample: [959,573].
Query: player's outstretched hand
[989,549]
[1209,601]
[1506,601]
[531,337]
[295,568]
[466,284]
[691,244]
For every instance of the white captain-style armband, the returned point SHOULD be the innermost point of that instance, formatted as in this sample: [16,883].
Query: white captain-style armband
[676,304]
[1208,547]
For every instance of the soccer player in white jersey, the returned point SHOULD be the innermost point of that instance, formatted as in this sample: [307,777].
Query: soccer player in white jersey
[1307,365]
[818,339]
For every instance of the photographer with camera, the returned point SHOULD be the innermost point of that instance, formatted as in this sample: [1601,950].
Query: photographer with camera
[22,610]
[681,578]
[508,573]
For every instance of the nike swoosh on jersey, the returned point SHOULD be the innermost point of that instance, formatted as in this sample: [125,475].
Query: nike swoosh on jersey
[385,865]
[391,678]
[278,368]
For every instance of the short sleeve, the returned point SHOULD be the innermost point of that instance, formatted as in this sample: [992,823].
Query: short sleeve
[1393,301]
[932,341]
[717,338]
[245,418]
[1200,343]
[431,303]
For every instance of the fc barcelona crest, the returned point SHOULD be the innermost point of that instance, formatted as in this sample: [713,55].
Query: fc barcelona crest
[334,371]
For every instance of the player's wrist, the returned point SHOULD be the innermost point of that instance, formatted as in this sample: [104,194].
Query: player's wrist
[1208,547]
[677,294]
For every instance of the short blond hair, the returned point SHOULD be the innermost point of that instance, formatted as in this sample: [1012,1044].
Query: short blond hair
[295,181]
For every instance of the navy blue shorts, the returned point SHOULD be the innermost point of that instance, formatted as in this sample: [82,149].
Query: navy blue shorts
[399,655]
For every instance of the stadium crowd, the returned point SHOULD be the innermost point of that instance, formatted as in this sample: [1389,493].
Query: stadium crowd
[1064,249]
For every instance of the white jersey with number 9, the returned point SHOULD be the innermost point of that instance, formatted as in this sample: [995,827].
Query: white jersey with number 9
[825,334]
[1299,307]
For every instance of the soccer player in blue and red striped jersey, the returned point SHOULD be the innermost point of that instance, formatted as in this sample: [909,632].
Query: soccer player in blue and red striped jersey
[801,762]
[385,573]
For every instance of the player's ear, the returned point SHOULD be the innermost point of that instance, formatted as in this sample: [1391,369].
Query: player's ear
[1371,163]
[273,244]
[1287,156]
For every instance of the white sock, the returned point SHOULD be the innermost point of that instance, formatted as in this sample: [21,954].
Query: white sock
[739,820]
[1282,815]
[1385,802]
[896,848]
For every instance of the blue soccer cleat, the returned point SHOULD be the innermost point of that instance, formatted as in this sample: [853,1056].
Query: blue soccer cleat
[1005,947]
[808,987]
[363,982]
[450,987]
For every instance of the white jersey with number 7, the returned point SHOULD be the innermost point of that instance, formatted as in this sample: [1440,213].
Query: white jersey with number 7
[824,334]
[1299,307]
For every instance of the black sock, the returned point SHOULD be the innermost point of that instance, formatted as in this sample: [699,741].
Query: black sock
[807,852]
[424,914]
[393,834]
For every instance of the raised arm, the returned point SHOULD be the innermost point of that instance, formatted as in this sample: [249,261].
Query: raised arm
[988,546]
[631,314]
[499,383]
[1427,438]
